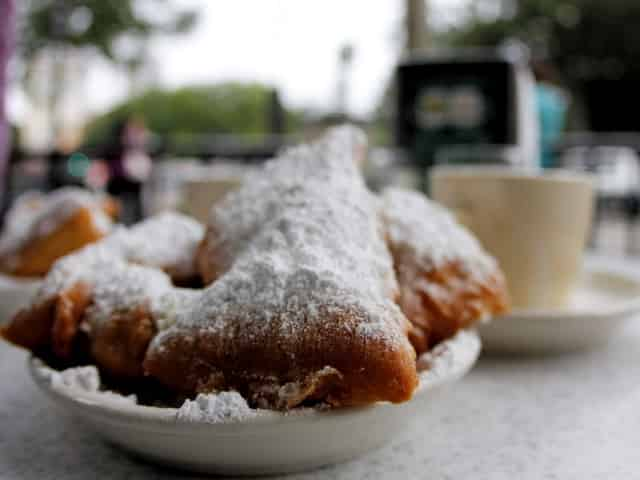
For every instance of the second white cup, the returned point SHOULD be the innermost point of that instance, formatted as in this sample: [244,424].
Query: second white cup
[535,224]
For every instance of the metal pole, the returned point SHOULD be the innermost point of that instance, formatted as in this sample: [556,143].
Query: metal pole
[416,25]
[346,58]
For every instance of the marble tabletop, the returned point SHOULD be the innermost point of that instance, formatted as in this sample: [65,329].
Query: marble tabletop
[565,416]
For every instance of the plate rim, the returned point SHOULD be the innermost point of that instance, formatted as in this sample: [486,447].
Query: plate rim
[623,308]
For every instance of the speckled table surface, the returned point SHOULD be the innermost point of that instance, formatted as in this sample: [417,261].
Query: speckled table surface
[567,416]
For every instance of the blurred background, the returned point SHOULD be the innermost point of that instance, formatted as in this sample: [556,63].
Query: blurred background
[155,101]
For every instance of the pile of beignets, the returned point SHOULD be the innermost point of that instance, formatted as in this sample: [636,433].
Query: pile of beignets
[303,288]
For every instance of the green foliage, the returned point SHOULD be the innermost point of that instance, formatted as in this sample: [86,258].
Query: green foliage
[97,24]
[117,30]
[587,39]
[228,108]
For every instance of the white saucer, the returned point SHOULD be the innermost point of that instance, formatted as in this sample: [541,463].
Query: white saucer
[603,300]
[15,293]
[269,442]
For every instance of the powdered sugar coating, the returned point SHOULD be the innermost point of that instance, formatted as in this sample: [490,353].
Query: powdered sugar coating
[302,237]
[84,379]
[82,266]
[81,378]
[171,305]
[35,215]
[431,235]
[124,269]
[223,407]
[166,241]
[123,287]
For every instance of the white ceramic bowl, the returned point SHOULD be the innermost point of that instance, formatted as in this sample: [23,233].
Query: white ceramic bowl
[602,301]
[269,442]
[15,293]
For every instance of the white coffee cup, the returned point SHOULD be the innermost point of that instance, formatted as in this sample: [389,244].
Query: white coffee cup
[534,223]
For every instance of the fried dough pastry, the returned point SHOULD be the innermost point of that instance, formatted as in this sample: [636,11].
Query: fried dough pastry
[316,290]
[112,292]
[446,280]
[300,305]
[43,228]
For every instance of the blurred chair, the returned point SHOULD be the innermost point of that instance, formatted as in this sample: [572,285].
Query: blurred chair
[617,172]
[486,154]
[163,189]
[189,186]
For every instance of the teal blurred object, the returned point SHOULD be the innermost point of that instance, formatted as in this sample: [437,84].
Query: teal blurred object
[552,105]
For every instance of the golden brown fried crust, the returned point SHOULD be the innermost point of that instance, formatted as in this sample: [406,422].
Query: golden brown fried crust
[439,302]
[70,307]
[50,325]
[36,258]
[312,388]
[363,369]
[119,346]
[31,328]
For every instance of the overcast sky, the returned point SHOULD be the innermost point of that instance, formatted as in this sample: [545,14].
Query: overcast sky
[290,44]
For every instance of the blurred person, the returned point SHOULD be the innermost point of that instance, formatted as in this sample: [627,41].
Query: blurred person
[552,103]
[7,33]
[129,166]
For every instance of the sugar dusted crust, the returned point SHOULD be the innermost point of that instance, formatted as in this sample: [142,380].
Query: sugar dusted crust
[301,295]
[150,253]
[112,294]
[447,281]
[43,228]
